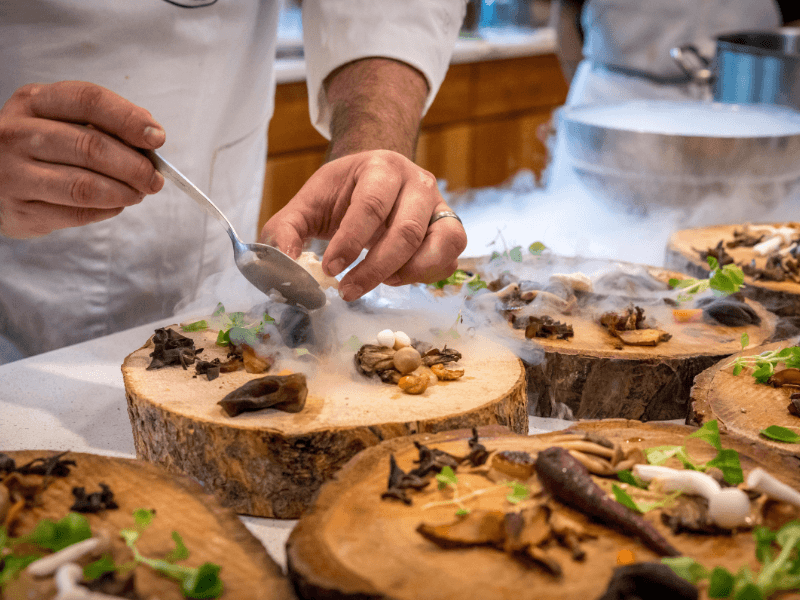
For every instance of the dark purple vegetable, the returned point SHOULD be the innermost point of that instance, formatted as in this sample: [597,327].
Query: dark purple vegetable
[569,481]
[649,581]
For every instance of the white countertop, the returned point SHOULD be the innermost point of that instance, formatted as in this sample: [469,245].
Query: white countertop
[488,44]
[74,399]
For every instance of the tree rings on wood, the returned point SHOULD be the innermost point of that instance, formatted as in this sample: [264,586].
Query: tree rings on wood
[271,463]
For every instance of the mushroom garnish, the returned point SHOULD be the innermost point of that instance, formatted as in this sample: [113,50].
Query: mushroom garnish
[727,508]
[67,578]
[47,565]
[282,392]
[765,483]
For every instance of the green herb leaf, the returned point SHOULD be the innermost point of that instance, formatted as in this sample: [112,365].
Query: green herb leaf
[727,461]
[476,283]
[628,477]
[737,369]
[495,255]
[353,344]
[13,565]
[446,478]
[203,582]
[196,326]
[99,568]
[720,583]
[713,264]
[745,340]
[658,455]
[536,248]
[462,511]
[143,517]
[219,311]
[749,591]
[242,335]
[763,372]
[764,538]
[686,567]
[180,552]
[515,254]
[624,498]
[710,433]
[223,339]
[57,535]
[780,434]
[519,492]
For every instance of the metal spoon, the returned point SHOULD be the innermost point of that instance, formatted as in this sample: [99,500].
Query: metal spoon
[265,267]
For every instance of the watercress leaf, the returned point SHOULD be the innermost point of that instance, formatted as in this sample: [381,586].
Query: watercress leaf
[476,283]
[219,310]
[686,567]
[203,582]
[267,320]
[720,583]
[495,255]
[196,326]
[624,498]
[763,372]
[738,368]
[447,477]
[56,536]
[658,455]
[780,434]
[99,568]
[353,344]
[242,335]
[713,264]
[536,248]
[722,282]
[745,340]
[789,534]
[462,511]
[143,517]
[764,537]
[727,461]
[792,360]
[646,507]
[709,432]
[130,536]
[237,319]
[519,492]
[223,339]
[749,591]
[180,552]
[682,283]
[13,564]
[515,254]
[628,477]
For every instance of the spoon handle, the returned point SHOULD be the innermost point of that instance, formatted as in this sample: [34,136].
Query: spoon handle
[195,193]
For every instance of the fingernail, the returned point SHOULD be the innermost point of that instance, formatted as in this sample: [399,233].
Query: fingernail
[350,292]
[336,267]
[155,136]
[157,182]
[393,280]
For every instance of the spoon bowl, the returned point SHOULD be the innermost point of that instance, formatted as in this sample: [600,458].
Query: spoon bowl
[266,267]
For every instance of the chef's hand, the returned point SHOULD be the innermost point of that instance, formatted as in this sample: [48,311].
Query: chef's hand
[66,157]
[377,200]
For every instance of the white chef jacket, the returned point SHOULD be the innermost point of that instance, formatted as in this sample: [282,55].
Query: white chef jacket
[637,35]
[204,69]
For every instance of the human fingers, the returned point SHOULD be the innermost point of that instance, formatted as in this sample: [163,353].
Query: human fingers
[437,257]
[34,218]
[87,103]
[378,182]
[68,144]
[285,230]
[403,237]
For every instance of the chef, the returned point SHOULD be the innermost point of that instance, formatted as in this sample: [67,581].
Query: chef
[92,241]
[617,50]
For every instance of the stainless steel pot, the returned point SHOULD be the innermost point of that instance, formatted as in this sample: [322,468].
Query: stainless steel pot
[749,67]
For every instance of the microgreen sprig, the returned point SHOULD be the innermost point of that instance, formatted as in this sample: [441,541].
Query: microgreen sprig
[447,479]
[763,365]
[461,277]
[724,280]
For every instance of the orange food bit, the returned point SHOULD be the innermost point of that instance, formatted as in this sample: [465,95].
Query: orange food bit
[625,557]
[687,315]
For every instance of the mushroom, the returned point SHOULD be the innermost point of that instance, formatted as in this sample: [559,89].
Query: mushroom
[728,507]
[385,338]
[576,281]
[67,578]
[413,384]
[406,359]
[47,565]
[282,392]
[478,528]
[765,483]
[445,374]
[514,464]
[786,378]
[401,340]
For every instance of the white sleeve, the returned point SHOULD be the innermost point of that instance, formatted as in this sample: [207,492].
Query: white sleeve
[420,33]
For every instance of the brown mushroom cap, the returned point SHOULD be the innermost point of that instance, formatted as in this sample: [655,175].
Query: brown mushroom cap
[407,359]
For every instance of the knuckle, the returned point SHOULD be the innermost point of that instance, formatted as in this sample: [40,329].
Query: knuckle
[83,216]
[426,179]
[25,93]
[411,233]
[83,190]
[89,97]
[373,207]
[89,147]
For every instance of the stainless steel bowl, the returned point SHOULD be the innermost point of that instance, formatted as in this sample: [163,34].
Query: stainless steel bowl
[645,153]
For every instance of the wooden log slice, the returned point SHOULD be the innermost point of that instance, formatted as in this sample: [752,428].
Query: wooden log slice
[352,544]
[780,297]
[741,405]
[593,376]
[271,463]
[211,532]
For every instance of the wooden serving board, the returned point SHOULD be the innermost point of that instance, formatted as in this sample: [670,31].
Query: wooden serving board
[780,297]
[741,405]
[211,533]
[352,544]
[592,376]
[271,463]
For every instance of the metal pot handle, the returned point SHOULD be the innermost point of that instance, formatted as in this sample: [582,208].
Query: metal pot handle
[695,65]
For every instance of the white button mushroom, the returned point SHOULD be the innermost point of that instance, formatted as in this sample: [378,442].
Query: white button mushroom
[47,565]
[386,338]
[67,577]
[763,482]
[727,507]
[401,340]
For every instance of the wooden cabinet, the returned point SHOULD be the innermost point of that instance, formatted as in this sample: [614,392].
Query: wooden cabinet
[483,127]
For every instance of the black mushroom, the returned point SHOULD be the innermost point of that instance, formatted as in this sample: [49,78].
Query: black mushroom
[281,392]
[570,482]
[731,311]
[172,348]
[648,580]
[95,501]
[400,481]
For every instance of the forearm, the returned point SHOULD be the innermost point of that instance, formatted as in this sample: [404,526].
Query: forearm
[570,42]
[376,104]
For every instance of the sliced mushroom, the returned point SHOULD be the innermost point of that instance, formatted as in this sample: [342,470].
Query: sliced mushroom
[445,374]
[785,378]
[513,464]
[281,392]
[478,528]
[643,337]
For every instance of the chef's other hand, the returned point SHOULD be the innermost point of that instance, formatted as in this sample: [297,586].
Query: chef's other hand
[66,158]
[377,200]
